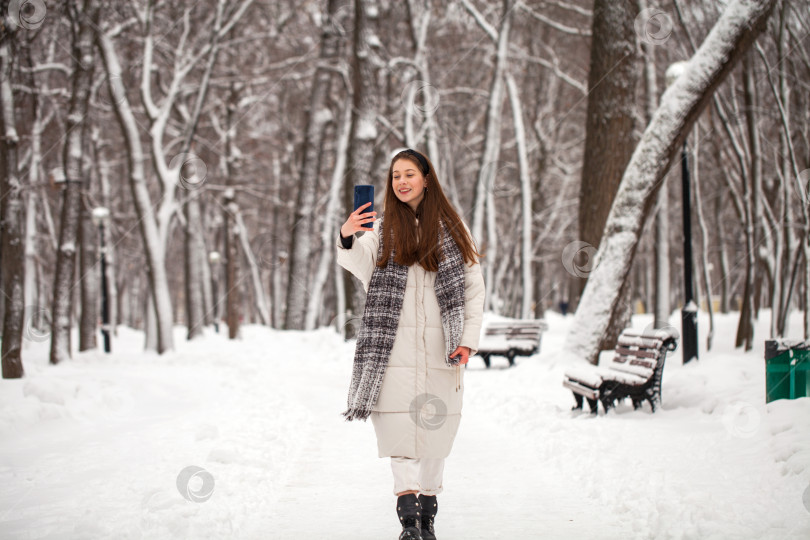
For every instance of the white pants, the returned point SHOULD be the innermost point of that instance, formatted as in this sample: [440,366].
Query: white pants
[423,475]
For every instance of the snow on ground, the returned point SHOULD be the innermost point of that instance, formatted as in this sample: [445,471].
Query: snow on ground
[96,447]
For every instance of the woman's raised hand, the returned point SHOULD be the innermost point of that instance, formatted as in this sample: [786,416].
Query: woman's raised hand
[356,221]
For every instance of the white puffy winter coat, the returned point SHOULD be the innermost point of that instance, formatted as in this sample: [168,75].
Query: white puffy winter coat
[418,409]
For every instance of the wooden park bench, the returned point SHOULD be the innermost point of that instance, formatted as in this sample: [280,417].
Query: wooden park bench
[511,338]
[635,371]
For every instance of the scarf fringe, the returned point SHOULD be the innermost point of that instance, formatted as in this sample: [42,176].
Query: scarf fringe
[356,413]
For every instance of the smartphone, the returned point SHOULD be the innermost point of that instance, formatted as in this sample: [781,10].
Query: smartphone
[364,194]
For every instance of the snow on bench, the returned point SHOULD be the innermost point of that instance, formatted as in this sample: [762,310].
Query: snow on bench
[510,338]
[635,371]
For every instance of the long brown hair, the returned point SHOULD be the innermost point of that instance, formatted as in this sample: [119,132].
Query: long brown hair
[400,229]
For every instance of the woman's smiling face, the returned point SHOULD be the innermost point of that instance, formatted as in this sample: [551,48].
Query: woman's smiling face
[408,182]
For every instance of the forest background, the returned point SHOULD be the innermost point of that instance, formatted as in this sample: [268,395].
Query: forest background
[224,140]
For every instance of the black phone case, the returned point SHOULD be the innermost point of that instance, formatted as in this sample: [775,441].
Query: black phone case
[362,195]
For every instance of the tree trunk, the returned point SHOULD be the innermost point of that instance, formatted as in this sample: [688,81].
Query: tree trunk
[783,277]
[83,20]
[325,264]
[661,289]
[527,280]
[483,202]
[275,263]
[419,16]
[704,238]
[259,302]
[196,256]
[12,246]
[364,122]
[106,236]
[751,190]
[233,281]
[32,304]
[609,126]
[153,247]
[89,279]
[319,114]
[681,104]
[725,294]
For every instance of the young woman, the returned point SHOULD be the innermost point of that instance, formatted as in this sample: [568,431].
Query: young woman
[422,320]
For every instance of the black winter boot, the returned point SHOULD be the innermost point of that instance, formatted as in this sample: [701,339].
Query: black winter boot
[429,509]
[410,514]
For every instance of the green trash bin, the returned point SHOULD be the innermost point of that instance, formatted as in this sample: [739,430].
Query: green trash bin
[787,364]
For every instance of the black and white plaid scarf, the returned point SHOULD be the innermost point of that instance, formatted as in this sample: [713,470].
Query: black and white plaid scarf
[386,292]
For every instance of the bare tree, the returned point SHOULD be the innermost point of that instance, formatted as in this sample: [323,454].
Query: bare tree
[196,259]
[233,281]
[147,217]
[483,202]
[11,218]
[750,196]
[681,104]
[318,115]
[365,105]
[527,279]
[331,221]
[84,18]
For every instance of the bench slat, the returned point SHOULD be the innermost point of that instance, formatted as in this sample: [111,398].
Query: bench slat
[644,353]
[574,386]
[634,341]
[634,360]
[517,324]
[630,379]
[512,332]
[641,371]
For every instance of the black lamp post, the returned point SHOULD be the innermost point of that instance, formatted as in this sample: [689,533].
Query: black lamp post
[689,328]
[100,217]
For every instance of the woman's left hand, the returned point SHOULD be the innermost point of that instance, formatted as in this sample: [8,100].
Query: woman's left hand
[464,352]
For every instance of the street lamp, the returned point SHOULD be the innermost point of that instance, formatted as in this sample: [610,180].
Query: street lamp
[689,329]
[214,258]
[101,216]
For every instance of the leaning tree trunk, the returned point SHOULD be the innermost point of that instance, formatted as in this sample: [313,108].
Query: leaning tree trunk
[82,21]
[319,114]
[681,105]
[609,125]
[11,221]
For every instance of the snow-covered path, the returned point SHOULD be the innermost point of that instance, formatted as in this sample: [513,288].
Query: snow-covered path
[93,449]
